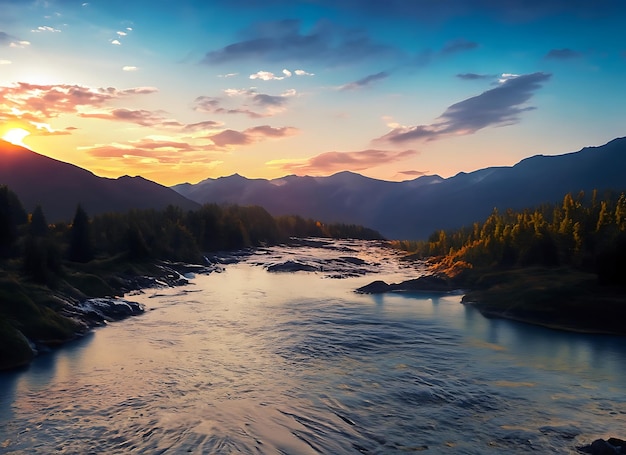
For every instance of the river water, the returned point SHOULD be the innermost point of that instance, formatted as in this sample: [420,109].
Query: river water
[252,362]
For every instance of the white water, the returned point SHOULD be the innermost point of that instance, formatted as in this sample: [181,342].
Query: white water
[247,361]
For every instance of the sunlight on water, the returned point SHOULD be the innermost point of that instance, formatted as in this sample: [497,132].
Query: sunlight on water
[247,361]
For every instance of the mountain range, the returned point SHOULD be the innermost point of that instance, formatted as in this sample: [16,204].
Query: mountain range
[414,209]
[411,209]
[59,187]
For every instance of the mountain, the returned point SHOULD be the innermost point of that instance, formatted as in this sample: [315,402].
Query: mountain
[416,208]
[59,187]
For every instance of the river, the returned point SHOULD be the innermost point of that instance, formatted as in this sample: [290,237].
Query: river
[253,362]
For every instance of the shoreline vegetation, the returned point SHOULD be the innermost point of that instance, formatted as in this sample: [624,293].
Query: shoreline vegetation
[58,281]
[557,266]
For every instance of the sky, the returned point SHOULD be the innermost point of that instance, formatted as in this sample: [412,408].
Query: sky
[392,89]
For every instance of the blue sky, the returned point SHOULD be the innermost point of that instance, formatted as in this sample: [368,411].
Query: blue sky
[182,91]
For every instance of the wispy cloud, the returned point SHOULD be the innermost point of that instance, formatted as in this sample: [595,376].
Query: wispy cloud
[139,116]
[562,54]
[46,28]
[130,68]
[251,135]
[12,41]
[330,162]
[499,106]
[474,76]
[285,40]
[458,45]
[366,81]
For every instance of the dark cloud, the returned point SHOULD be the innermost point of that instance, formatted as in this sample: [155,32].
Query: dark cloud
[562,54]
[459,45]
[341,161]
[285,40]
[367,80]
[474,76]
[499,106]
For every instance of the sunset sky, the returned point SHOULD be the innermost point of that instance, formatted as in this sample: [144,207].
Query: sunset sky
[179,91]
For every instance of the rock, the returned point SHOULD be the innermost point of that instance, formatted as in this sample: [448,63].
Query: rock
[291,266]
[103,310]
[601,447]
[429,283]
[375,287]
[424,283]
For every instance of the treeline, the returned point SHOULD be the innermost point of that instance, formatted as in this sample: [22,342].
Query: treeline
[584,232]
[146,235]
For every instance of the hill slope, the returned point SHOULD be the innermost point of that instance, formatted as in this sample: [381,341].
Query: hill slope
[414,209]
[59,187]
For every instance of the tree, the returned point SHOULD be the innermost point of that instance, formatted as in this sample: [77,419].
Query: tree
[81,247]
[12,215]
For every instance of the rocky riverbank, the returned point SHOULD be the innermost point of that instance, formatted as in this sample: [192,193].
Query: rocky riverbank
[43,317]
[557,298]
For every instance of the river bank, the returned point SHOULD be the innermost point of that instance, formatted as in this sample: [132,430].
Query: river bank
[37,317]
[558,298]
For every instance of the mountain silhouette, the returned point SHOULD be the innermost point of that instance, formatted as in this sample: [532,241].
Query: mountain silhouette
[59,187]
[414,209]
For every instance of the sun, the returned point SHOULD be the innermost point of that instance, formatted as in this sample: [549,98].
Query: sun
[16,136]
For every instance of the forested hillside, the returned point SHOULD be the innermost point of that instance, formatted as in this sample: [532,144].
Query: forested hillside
[585,231]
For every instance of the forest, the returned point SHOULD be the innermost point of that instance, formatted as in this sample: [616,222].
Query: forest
[585,232]
[41,250]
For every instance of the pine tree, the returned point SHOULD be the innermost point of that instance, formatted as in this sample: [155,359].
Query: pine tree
[81,247]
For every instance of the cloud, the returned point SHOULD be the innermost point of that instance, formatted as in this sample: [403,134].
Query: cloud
[38,101]
[46,28]
[562,54]
[413,173]
[269,76]
[129,68]
[5,38]
[458,45]
[284,40]
[499,106]
[139,117]
[203,126]
[366,81]
[271,104]
[474,76]
[330,162]
[116,42]
[228,75]
[5,62]
[19,44]
[150,150]
[251,135]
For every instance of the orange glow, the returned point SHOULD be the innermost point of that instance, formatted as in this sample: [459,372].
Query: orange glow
[16,136]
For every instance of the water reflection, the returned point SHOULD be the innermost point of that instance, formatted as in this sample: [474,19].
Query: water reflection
[248,361]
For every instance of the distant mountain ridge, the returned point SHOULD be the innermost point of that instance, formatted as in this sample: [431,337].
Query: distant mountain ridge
[414,209]
[59,187]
